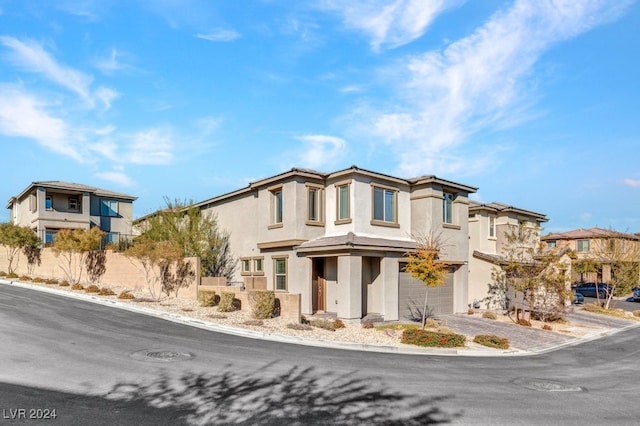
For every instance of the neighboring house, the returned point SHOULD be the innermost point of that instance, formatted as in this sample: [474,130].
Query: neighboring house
[488,225]
[596,244]
[47,207]
[340,239]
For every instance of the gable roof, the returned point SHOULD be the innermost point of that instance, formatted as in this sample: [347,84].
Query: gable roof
[496,207]
[72,187]
[583,234]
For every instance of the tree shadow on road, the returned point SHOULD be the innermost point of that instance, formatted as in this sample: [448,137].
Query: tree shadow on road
[298,396]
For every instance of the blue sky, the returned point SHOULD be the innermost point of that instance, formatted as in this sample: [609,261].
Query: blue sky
[534,102]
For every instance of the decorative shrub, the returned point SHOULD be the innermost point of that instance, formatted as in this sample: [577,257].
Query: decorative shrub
[524,322]
[592,307]
[636,313]
[126,295]
[64,284]
[547,327]
[25,278]
[104,291]
[296,326]
[262,302]
[12,275]
[492,341]
[92,289]
[432,339]
[490,315]
[3,274]
[206,298]
[338,324]
[77,286]
[51,281]
[226,302]
[325,324]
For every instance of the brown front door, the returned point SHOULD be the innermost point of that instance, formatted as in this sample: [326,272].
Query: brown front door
[319,285]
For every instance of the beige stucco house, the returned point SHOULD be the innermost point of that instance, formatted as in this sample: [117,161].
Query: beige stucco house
[340,239]
[488,225]
[49,206]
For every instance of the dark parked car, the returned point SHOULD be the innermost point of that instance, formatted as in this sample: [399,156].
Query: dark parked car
[589,289]
[636,294]
[578,299]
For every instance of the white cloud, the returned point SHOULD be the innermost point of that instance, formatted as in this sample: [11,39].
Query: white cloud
[390,23]
[634,183]
[219,35]
[320,150]
[354,88]
[474,83]
[110,64]
[153,146]
[116,177]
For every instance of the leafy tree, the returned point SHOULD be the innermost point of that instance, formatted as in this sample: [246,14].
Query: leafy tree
[424,265]
[154,256]
[16,238]
[96,264]
[74,245]
[196,233]
[622,254]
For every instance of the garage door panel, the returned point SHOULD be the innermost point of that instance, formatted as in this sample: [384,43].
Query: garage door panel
[411,297]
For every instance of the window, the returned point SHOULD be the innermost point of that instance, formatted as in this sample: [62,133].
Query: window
[112,238]
[314,204]
[108,208]
[49,237]
[551,243]
[74,203]
[280,273]
[255,262]
[342,196]
[492,226]
[48,202]
[582,246]
[246,266]
[384,204]
[447,208]
[277,200]
[257,266]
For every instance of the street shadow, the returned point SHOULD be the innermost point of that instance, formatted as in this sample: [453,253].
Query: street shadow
[297,396]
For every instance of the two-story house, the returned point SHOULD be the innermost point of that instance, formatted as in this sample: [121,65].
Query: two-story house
[599,245]
[488,226]
[340,239]
[47,207]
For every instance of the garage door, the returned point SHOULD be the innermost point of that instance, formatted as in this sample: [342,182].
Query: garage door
[411,297]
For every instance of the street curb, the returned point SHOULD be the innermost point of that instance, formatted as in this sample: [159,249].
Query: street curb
[296,340]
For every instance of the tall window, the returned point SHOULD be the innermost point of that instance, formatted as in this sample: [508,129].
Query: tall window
[447,208]
[48,202]
[342,196]
[109,208]
[492,226]
[280,273]
[582,246]
[276,195]
[384,204]
[314,204]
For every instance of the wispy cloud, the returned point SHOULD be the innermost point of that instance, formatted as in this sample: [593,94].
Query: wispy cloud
[476,82]
[219,35]
[634,183]
[390,24]
[111,63]
[320,150]
[117,177]
[354,88]
[153,146]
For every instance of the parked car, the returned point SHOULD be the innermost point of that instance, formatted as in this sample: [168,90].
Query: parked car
[589,289]
[578,299]
[636,294]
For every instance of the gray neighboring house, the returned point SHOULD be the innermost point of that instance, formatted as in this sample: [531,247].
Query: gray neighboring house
[49,206]
[488,225]
[340,239]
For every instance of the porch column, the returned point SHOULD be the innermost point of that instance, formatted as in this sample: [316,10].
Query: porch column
[390,271]
[349,287]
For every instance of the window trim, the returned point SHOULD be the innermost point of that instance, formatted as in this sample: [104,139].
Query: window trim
[48,203]
[394,192]
[492,227]
[276,275]
[342,220]
[251,264]
[106,206]
[245,261]
[582,240]
[318,204]
[277,206]
[448,200]
[71,200]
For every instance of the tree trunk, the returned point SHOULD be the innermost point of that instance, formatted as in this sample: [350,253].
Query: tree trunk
[424,308]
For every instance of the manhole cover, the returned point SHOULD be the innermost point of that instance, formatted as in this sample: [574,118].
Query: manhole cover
[542,385]
[161,355]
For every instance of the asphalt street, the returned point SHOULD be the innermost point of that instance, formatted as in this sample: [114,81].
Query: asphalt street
[95,364]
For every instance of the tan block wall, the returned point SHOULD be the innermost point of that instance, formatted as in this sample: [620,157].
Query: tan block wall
[289,302]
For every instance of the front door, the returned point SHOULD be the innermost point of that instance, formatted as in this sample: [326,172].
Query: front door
[319,285]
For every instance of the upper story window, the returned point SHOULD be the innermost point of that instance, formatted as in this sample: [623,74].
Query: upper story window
[385,203]
[343,208]
[492,226]
[315,197]
[582,246]
[108,208]
[48,202]
[74,203]
[551,243]
[277,206]
[447,207]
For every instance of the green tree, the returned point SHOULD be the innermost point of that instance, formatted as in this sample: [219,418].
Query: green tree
[424,265]
[196,233]
[74,245]
[15,238]
[622,253]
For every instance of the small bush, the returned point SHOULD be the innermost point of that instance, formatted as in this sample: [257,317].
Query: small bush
[206,298]
[104,291]
[38,280]
[547,327]
[92,289]
[25,278]
[3,274]
[492,341]
[524,322]
[592,307]
[338,324]
[296,326]
[77,286]
[226,302]
[12,275]
[51,281]
[126,295]
[64,284]
[432,339]
[636,313]
[490,315]
[263,303]
[325,324]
